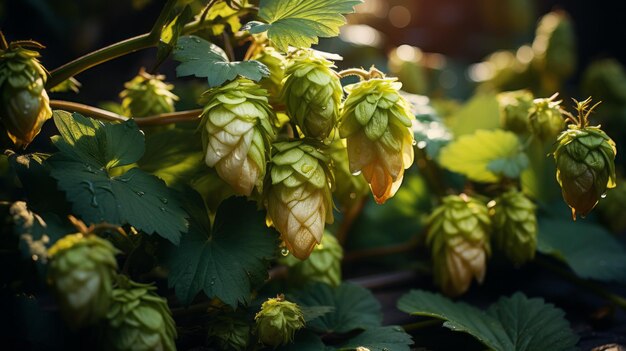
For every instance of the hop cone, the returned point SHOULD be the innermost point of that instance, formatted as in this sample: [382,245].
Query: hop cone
[147,95]
[24,105]
[312,93]
[275,62]
[81,273]
[299,200]
[585,167]
[514,110]
[555,44]
[138,319]
[324,264]
[546,119]
[348,187]
[278,321]
[236,133]
[376,121]
[515,226]
[229,333]
[458,236]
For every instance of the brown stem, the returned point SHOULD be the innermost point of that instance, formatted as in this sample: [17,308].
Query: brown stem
[350,215]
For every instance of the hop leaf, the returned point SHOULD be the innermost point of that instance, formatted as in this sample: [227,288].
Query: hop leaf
[514,110]
[324,264]
[278,321]
[458,236]
[312,93]
[147,95]
[81,273]
[24,104]
[236,133]
[299,200]
[376,121]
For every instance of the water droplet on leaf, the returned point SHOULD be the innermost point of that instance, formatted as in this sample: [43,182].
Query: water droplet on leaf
[284,251]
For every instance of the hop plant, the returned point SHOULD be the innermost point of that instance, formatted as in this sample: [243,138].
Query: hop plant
[514,110]
[585,162]
[138,319]
[275,62]
[349,188]
[299,199]
[24,103]
[312,94]
[147,95]
[229,333]
[237,132]
[81,273]
[278,321]
[324,264]
[458,236]
[546,118]
[376,120]
[515,226]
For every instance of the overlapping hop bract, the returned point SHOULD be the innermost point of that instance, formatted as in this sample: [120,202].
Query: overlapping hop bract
[585,163]
[546,118]
[24,103]
[299,199]
[376,120]
[138,319]
[278,321]
[312,94]
[458,236]
[147,95]
[237,133]
[81,273]
[515,226]
[514,110]
[324,264]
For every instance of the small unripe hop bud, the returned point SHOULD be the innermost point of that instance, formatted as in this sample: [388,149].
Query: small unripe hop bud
[546,119]
[278,321]
[514,110]
[324,264]
[147,95]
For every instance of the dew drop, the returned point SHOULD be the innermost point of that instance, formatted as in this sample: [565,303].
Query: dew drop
[603,196]
[140,193]
[356,173]
[306,168]
[284,251]
[163,200]
[35,257]
[414,142]
[162,209]
[352,196]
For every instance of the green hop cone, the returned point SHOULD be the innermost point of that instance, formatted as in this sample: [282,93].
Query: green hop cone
[24,103]
[585,163]
[349,188]
[237,132]
[514,110]
[312,94]
[376,121]
[229,333]
[515,226]
[81,273]
[324,264]
[278,321]
[138,319]
[546,118]
[299,200]
[275,62]
[458,236]
[147,95]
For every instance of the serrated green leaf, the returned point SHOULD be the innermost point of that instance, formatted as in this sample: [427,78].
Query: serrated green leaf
[202,59]
[391,338]
[516,323]
[312,312]
[480,112]
[300,23]
[485,156]
[354,307]
[588,249]
[225,261]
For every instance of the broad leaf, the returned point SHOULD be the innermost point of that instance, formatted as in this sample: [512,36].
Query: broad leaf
[224,261]
[485,156]
[354,307]
[588,249]
[391,338]
[300,23]
[306,340]
[516,323]
[312,312]
[482,111]
[202,59]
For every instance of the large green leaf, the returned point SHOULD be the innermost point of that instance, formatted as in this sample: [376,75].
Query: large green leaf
[485,156]
[354,307]
[202,59]
[511,324]
[224,261]
[482,111]
[87,150]
[299,23]
[588,249]
[391,338]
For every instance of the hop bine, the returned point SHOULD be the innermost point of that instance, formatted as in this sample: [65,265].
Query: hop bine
[324,264]
[138,319]
[514,110]
[237,132]
[585,162]
[376,120]
[299,200]
[458,236]
[147,95]
[546,118]
[515,226]
[278,321]
[312,94]
[81,273]
[25,104]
